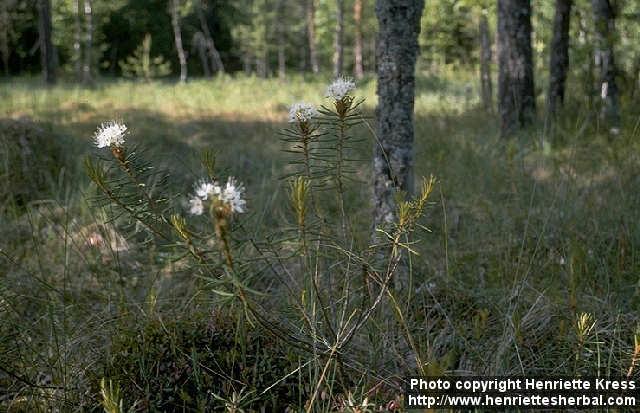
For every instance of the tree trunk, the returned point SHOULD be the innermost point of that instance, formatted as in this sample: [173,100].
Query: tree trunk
[516,98]
[5,28]
[486,85]
[46,45]
[200,44]
[177,36]
[261,65]
[303,51]
[604,19]
[246,63]
[358,69]
[282,62]
[311,35]
[77,40]
[397,50]
[212,52]
[338,42]
[282,42]
[87,77]
[559,59]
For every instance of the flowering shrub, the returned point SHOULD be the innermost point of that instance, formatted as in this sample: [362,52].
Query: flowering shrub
[317,284]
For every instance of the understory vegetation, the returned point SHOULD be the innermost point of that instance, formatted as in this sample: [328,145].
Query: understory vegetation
[518,258]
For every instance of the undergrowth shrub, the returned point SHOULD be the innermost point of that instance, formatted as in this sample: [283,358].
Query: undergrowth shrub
[315,282]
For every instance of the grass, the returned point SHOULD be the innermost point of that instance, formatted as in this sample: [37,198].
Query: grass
[527,239]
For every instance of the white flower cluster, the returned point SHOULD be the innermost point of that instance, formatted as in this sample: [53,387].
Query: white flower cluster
[110,133]
[340,88]
[302,112]
[230,194]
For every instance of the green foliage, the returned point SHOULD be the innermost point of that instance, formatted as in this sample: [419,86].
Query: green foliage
[142,65]
[449,32]
[21,33]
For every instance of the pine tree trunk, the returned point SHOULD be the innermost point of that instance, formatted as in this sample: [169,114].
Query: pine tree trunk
[604,19]
[397,51]
[198,41]
[77,40]
[4,35]
[282,41]
[516,98]
[46,45]
[338,43]
[246,63]
[177,36]
[559,59]
[87,77]
[311,35]
[216,62]
[358,69]
[486,85]
[302,52]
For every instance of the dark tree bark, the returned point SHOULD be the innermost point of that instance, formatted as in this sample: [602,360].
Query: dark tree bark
[46,46]
[604,19]
[5,27]
[559,59]
[516,98]
[200,44]
[397,51]
[87,77]
[177,37]
[338,42]
[212,52]
[486,85]
[358,69]
[311,35]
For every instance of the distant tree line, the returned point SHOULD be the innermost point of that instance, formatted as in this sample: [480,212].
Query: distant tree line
[190,37]
[591,42]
